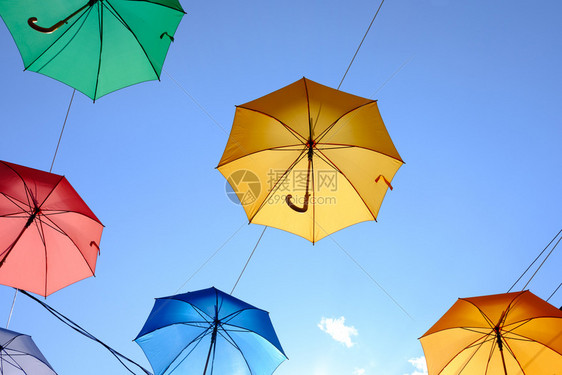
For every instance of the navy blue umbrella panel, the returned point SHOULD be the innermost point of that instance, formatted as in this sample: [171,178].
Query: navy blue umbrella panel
[209,332]
[20,356]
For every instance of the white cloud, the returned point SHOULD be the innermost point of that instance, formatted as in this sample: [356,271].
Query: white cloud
[338,330]
[359,371]
[420,366]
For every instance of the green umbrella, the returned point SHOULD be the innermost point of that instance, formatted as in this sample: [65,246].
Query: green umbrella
[95,46]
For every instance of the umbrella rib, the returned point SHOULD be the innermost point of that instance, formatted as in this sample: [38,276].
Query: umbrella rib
[59,38]
[41,233]
[277,148]
[515,358]
[308,118]
[233,343]
[343,145]
[472,345]
[124,23]
[198,339]
[335,147]
[493,347]
[528,339]
[233,315]
[330,162]
[299,137]
[16,202]
[244,329]
[323,134]
[59,229]
[162,5]
[488,320]
[313,199]
[61,49]
[100,26]
[278,184]
[51,192]
[15,364]
[15,215]
[190,324]
[28,192]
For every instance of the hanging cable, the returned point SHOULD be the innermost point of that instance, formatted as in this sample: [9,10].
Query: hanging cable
[360,44]
[211,257]
[553,293]
[554,247]
[196,102]
[120,357]
[371,277]
[50,170]
[537,258]
[12,309]
[62,130]
[248,261]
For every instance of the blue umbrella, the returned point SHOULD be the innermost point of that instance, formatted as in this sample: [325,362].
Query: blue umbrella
[20,356]
[209,332]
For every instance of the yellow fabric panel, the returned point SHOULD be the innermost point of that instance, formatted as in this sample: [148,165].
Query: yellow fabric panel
[269,136]
[329,209]
[547,331]
[288,105]
[362,167]
[528,306]
[531,333]
[328,105]
[363,127]
[298,102]
[536,358]
[265,166]
[448,343]
[461,314]
[253,132]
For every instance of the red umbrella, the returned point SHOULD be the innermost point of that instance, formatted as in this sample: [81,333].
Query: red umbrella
[49,238]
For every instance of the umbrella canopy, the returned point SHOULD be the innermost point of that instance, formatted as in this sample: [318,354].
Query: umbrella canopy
[49,238]
[309,159]
[20,356]
[95,46]
[209,332]
[503,334]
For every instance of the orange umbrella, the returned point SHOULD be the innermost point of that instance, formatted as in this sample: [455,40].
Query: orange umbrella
[309,159]
[49,238]
[503,334]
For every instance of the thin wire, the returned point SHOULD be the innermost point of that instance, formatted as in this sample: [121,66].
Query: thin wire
[248,261]
[211,257]
[196,102]
[553,293]
[62,130]
[371,277]
[393,75]
[537,270]
[360,44]
[50,170]
[12,309]
[537,258]
[120,357]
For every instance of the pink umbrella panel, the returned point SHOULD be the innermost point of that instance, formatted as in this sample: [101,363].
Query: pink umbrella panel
[49,238]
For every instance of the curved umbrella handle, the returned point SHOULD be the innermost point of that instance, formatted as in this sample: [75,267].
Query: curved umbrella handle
[45,30]
[48,30]
[304,208]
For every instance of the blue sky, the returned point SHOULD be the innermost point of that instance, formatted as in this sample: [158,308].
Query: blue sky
[470,94]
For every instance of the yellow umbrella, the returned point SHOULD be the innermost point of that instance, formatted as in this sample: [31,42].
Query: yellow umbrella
[503,334]
[309,159]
